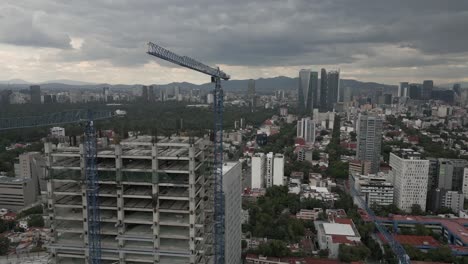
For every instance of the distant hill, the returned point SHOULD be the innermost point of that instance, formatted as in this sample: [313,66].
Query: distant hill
[262,85]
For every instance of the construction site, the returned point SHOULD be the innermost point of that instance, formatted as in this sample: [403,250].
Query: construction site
[155,200]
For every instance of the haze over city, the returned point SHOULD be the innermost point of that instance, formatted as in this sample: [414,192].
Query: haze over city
[105,41]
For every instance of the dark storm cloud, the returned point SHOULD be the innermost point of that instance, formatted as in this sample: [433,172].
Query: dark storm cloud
[265,33]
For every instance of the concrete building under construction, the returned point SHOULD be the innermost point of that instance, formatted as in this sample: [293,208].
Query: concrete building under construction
[155,202]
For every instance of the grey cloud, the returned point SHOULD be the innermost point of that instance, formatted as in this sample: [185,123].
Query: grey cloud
[18,27]
[256,33]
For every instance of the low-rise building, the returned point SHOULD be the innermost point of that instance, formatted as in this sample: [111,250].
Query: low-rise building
[331,235]
[305,214]
[372,188]
[16,193]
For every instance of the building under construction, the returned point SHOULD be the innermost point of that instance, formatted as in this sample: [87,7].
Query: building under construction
[155,199]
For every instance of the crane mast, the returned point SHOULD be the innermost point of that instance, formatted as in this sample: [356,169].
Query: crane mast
[216,76]
[91,175]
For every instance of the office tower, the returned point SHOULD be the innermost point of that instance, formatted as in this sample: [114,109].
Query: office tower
[5,97]
[35,91]
[232,187]
[347,94]
[427,88]
[403,89]
[308,89]
[105,94]
[151,93]
[251,95]
[323,91]
[144,93]
[440,198]
[155,196]
[414,91]
[369,140]
[457,89]
[258,170]
[306,129]
[333,86]
[410,176]
[176,92]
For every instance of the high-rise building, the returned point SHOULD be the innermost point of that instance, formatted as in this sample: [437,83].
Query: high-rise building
[347,94]
[232,187]
[105,94]
[369,140]
[403,89]
[274,171]
[151,93]
[155,197]
[278,169]
[252,95]
[308,90]
[333,89]
[144,93]
[323,91]
[457,89]
[5,97]
[427,87]
[258,171]
[35,92]
[306,129]
[410,176]
[414,91]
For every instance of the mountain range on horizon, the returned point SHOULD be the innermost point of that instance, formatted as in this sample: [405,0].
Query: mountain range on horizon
[263,85]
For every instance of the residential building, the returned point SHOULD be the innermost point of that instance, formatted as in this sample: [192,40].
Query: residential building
[258,171]
[410,176]
[306,130]
[278,169]
[440,198]
[371,188]
[369,140]
[232,187]
[155,195]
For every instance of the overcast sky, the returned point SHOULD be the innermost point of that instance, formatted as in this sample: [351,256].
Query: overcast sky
[105,41]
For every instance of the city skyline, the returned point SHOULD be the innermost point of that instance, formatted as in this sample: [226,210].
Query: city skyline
[94,42]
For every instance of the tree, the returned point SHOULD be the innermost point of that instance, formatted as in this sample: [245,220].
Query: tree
[323,253]
[4,245]
[274,248]
[416,209]
[36,221]
[353,253]
[315,155]
[244,244]
[353,135]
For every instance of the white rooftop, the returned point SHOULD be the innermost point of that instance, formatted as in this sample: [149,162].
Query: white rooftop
[338,229]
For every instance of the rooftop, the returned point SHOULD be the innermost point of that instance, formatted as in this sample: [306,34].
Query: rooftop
[338,229]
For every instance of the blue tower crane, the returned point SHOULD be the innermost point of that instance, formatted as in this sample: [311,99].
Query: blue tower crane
[216,76]
[92,179]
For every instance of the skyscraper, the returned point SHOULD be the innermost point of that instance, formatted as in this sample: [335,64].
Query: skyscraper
[35,91]
[410,176]
[369,140]
[314,86]
[414,91]
[251,95]
[403,89]
[308,87]
[427,87]
[323,91]
[333,86]
[306,129]
[144,93]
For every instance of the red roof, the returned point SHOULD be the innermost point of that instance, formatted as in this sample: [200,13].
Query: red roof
[417,240]
[294,260]
[299,141]
[343,221]
[340,239]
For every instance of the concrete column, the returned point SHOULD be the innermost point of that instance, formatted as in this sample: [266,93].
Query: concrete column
[192,202]
[50,199]
[84,202]
[155,194]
